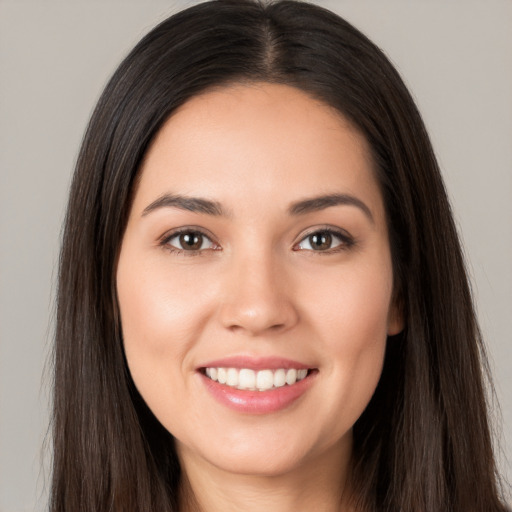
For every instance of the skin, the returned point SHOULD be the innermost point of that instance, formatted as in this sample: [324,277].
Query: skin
[258,287]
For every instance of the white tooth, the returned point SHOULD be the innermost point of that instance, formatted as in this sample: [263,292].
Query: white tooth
[291,376]
[232,378]
[247,379]
[222,376]
[279,378]
[264,380]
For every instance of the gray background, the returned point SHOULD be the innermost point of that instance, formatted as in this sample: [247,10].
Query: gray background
[55,57]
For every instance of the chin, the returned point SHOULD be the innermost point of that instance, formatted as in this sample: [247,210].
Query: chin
[260,462]
[268,453]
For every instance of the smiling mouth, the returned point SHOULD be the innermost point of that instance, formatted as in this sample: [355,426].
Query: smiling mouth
[256,380]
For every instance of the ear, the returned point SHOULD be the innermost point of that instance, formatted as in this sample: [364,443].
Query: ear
[396,316]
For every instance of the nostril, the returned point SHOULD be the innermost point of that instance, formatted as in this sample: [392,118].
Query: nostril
[255,313]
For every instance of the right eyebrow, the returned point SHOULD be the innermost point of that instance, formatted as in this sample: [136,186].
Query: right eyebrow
[192,204]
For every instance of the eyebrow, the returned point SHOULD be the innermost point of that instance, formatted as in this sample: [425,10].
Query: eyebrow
[302,207]
[318,203]
[192,204]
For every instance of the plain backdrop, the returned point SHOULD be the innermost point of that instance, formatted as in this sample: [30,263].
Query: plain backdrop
[55,57]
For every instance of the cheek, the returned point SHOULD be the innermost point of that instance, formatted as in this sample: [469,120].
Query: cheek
[351,316]
[352,307]
[161,316]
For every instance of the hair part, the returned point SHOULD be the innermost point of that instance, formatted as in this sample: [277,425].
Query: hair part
[423,443]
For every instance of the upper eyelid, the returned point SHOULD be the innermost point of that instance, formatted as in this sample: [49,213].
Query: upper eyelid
[330,229]
[171,233]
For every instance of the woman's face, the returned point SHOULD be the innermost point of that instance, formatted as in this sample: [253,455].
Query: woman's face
[256,256]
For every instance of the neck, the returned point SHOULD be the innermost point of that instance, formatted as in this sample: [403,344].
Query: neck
[319,484]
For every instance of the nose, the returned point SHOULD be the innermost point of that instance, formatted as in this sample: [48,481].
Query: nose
[258,297]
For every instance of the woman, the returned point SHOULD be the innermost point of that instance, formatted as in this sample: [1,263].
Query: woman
[262,298]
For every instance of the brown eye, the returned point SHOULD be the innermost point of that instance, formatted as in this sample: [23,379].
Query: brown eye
[325,240]
[189,241]
[320,241]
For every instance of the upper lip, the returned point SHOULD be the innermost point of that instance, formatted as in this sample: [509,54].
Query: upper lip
[255,363]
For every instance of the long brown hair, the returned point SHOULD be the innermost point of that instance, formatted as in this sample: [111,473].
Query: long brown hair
[423,443]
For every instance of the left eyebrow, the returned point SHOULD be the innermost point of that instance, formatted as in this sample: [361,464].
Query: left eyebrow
[318,203]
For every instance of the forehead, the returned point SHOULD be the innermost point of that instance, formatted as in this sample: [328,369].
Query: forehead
[265,141]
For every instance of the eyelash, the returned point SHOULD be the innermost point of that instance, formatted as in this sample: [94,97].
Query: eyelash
[187,231]
[346,241]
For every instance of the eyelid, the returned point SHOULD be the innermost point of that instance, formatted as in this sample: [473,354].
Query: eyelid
[347,240]
[168,235]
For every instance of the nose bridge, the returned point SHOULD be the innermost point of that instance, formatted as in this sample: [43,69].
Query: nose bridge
[257,295]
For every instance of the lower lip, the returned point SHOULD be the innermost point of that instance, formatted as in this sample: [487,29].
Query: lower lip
[258,402]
